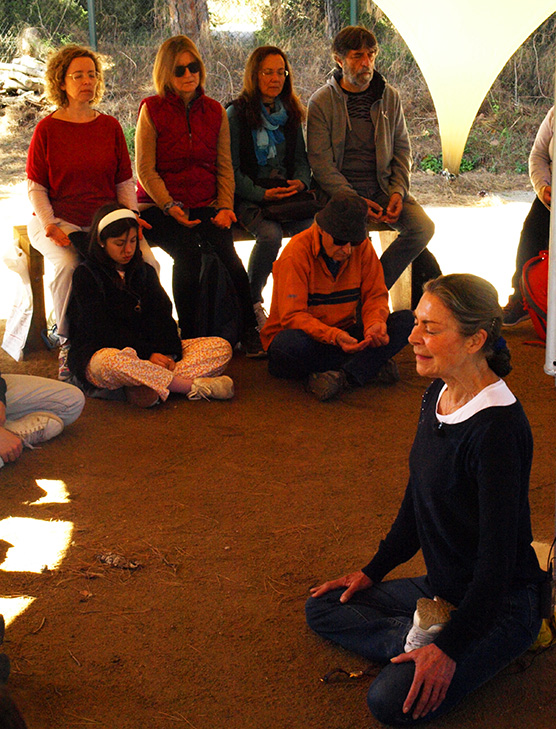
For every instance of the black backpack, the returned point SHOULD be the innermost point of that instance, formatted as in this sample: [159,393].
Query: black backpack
[218,311]
[423,268]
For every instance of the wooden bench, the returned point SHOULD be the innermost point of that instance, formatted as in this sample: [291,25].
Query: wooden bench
[35,264]
[400,294]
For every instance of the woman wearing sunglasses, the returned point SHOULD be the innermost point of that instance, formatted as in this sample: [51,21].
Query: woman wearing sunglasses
[269,158]
[186,181]
[77,161]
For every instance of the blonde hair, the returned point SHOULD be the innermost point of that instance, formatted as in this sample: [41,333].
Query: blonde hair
[57,68]
[165,62]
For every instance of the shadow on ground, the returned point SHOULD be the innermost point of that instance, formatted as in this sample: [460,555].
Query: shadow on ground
[234,509]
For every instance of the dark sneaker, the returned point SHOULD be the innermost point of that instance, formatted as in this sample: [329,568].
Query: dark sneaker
[51,337]
[327,385]
[514,313]
[388,374]
[251,344]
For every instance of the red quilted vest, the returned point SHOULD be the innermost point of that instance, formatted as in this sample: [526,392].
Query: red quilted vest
[185,147]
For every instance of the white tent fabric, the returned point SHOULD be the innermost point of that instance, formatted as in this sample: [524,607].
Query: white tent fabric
[461,47]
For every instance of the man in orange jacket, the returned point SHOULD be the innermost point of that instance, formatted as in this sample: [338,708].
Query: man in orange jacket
[329,320]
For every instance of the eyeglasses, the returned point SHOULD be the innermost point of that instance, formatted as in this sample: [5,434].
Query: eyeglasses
[193,67]
[80,75]
[281,72]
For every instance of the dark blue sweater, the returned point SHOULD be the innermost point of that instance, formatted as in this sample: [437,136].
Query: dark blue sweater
[466,506]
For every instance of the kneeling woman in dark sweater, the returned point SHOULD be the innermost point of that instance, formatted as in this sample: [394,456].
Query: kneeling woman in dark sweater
[466,507]
[121,327]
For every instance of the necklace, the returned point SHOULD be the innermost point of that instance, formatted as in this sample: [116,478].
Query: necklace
[449,407]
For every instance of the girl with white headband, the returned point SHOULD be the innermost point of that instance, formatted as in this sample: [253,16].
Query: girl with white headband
[121,327]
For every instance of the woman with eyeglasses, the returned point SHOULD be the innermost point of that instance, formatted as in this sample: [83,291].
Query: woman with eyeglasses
[77,161]
[186,181]
[269,159]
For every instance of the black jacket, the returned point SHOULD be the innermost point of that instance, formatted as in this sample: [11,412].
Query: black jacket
[106,312]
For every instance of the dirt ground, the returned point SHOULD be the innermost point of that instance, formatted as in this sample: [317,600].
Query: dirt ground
[234,509]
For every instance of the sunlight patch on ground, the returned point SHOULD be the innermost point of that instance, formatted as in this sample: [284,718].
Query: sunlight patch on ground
[11,607]
[36,544]
[56,492]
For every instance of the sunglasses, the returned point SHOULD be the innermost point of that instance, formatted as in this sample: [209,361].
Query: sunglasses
[339,242]
[193,67]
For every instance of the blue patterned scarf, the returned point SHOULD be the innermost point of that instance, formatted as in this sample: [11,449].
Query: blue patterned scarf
[267,136]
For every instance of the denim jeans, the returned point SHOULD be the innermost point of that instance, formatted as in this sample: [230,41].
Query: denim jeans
[375,622]
[268,241]
[294,354]
[415,231]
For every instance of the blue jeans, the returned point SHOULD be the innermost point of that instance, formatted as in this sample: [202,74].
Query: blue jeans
[375,623]
[294,354]
[268,241]
[415,231]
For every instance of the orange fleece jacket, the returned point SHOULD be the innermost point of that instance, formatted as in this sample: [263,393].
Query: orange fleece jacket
[306,296]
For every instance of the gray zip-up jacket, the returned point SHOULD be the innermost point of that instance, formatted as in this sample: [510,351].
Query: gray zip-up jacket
[327,120]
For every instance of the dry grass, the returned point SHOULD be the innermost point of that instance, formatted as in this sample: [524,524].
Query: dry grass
[499,141]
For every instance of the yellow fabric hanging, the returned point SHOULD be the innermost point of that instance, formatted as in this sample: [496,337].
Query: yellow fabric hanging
[461,47]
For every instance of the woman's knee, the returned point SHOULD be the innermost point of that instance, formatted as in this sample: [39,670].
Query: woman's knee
[388,692]
[269,238]
[321,612]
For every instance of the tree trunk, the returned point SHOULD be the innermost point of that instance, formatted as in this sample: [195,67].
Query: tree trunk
[188,17]
[333,19]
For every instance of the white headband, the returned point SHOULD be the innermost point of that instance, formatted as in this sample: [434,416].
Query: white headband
[119,214]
